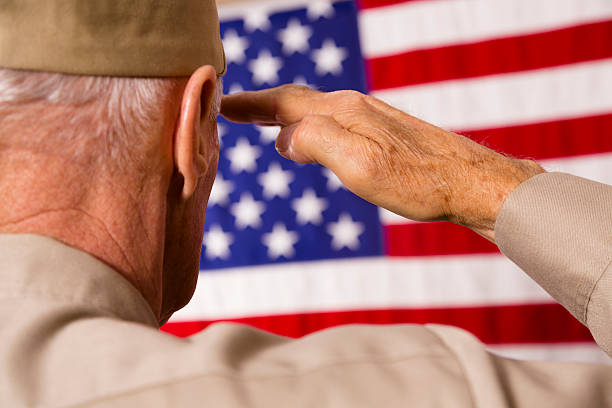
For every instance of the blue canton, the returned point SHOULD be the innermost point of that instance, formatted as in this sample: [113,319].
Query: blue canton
[265,209]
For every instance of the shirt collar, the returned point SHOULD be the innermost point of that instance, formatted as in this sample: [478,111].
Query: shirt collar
[41,267]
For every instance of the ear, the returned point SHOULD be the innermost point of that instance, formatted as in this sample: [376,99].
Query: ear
[190,155]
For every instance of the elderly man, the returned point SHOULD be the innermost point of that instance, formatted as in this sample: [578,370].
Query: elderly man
[108,151]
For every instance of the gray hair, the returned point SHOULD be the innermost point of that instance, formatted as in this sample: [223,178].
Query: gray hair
[111,116]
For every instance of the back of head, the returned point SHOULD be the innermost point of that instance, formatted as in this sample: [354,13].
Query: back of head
[108,137]
[109,120]
[92,78]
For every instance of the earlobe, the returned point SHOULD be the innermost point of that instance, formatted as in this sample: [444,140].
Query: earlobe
[190,152]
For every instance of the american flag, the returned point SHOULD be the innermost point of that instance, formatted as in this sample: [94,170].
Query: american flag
[288,249]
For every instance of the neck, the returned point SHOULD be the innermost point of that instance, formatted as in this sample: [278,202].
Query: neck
[116,221]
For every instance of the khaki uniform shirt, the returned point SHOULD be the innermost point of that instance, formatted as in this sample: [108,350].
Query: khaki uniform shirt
[76,333]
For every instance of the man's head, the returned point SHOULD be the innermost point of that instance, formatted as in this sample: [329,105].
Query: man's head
[122,147]
[118,155]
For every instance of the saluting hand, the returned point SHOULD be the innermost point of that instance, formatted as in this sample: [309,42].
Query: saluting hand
[386,156]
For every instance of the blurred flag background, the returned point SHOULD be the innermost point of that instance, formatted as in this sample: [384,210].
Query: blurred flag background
[288,249]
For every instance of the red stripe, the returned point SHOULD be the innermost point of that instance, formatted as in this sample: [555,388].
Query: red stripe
[436,238]
[512,54]
[562,138]
[366,4]
[492,325]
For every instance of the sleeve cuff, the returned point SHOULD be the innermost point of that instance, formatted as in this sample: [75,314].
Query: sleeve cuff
[558,229]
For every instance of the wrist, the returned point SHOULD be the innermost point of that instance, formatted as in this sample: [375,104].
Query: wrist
[479,203]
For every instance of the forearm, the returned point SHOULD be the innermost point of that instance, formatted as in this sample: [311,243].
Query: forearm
[478,179]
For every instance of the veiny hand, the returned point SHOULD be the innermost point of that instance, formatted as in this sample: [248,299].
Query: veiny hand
[386,156]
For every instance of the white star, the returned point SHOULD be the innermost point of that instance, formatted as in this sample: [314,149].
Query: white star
[221,131]
[345,232]
[256,19]
[320,8]
[217,243]
[294,37]
[300,80]
[265,68]
[268,134]
[275,181]
[328,58]
[243,156]
[221,189]
[248,212]
[309,208]
[234,47]
[280,241]
[235,88]
[333,182]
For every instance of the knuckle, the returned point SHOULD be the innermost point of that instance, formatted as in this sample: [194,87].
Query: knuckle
[349,107]
[350,98]
[295,89]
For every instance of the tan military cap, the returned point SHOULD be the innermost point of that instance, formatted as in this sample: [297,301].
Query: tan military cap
[145,38]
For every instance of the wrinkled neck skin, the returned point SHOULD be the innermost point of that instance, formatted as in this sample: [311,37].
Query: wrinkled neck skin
[117,218]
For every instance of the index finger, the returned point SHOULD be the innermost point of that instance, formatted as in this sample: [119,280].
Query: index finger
[279,106]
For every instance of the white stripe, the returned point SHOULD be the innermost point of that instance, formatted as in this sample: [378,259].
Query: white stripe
[387,217]
[596,167]
[509,99]
[569,352]
[236,10]
[362,283]
[427,24]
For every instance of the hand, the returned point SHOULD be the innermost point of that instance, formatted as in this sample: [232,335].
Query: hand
[386,156]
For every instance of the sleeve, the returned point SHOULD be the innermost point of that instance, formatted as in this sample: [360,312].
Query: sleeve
[558,229]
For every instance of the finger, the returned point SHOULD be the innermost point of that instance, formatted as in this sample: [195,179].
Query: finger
[316,138]
[277,106]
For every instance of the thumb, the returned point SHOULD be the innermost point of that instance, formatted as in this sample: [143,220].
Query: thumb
[316,138]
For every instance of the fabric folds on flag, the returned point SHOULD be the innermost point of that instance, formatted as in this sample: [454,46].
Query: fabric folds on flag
[288,249]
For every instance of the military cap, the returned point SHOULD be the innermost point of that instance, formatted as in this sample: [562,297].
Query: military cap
[144,38]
